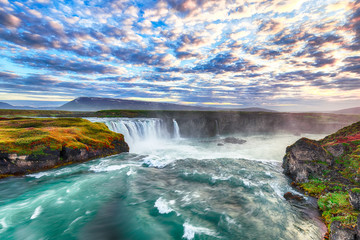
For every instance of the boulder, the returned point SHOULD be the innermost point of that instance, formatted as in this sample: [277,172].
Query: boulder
[338,232]
[306,158]
[234,140]
[290,196]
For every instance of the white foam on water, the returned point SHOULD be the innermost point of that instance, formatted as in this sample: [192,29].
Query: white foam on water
[74,221]
[190,231]
[102,167]
[246,182]
[77,219]
[276,188]
[38,175]
[130,172]
[59,201]
[37,212]
[163,206]
[55,172]
[231,221]
[157,162]
[3,225]
[221,178]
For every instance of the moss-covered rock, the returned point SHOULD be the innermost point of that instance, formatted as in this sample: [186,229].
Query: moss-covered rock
[30,144]
[329,169]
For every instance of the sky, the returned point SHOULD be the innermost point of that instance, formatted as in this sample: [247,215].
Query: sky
[291,55]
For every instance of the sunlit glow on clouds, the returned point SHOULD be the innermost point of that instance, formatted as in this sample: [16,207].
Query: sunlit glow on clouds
[280,54]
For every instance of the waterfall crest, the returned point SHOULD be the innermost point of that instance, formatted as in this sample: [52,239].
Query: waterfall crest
[140,132]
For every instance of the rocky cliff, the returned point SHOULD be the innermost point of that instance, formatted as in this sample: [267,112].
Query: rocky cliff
[211,123]
[329,169]
[31,145]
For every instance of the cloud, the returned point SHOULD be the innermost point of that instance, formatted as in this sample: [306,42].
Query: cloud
[354,25]
[347,83]
[253,51]
[25,39]
[226,62]
[301,75]
[9,20]
[65,65]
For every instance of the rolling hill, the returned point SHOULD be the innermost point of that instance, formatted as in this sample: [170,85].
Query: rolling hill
[96,104]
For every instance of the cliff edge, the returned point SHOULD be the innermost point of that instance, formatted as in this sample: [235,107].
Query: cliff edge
[35,144]
[329,169]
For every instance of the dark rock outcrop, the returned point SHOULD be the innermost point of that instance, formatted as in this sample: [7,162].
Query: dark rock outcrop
[304,158]
[13,164]
[339,232]
[290,196]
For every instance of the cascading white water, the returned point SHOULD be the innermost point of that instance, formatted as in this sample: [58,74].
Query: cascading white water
[137,131]
[176,129]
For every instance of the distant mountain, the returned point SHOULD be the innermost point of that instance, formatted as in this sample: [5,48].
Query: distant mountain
[96,104]
[5,106]
[254,109]
[355,110]
[9,106]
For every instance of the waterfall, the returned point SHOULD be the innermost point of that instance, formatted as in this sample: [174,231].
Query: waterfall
[217,128]
[176,130]
[137,131]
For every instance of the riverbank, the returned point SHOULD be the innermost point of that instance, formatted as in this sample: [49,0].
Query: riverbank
[32,144]
[329,169]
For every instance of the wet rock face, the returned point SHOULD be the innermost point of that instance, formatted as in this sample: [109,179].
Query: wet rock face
[305,158]
[339,232]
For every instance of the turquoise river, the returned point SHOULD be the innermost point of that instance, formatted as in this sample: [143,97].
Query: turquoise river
[167,187]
